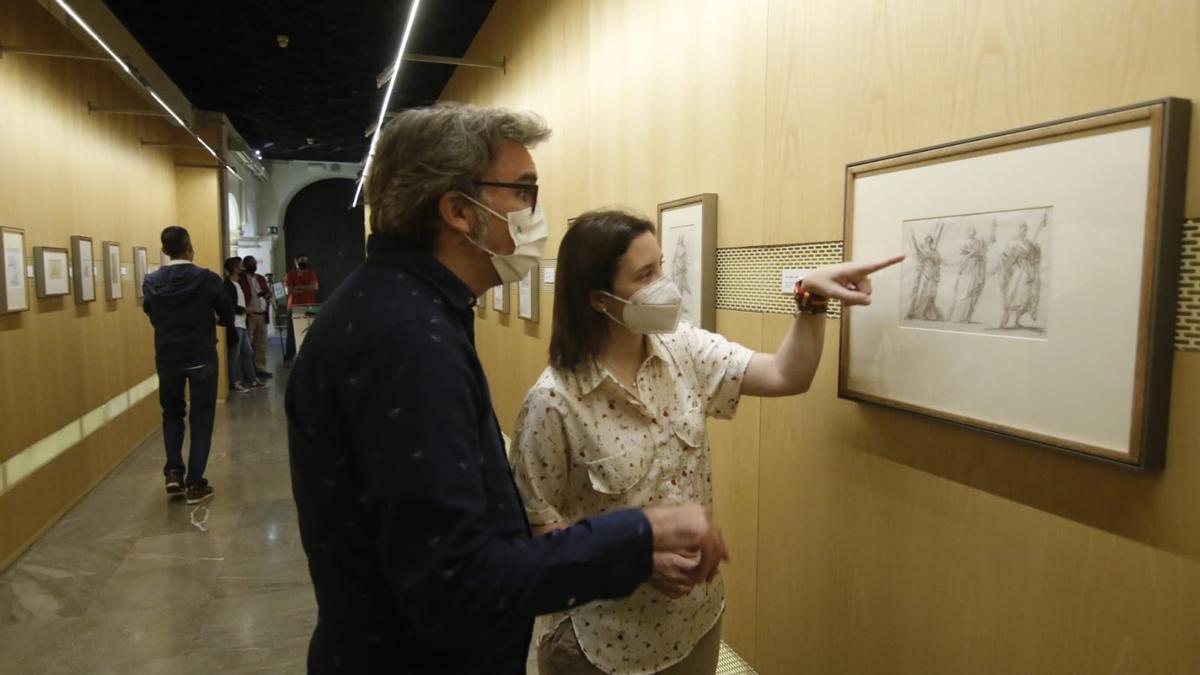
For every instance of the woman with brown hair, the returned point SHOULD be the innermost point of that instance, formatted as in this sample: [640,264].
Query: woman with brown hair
[618,419]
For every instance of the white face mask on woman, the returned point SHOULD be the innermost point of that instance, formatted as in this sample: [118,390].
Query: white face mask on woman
[653,309]
[529,232]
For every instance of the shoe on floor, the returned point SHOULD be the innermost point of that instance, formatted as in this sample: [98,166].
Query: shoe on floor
[258,384]
[198,493]
[240,388]
[174,484]
[264,373]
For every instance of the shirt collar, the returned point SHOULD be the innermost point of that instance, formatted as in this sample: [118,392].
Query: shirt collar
[179,261]
[391,250]
[592,374]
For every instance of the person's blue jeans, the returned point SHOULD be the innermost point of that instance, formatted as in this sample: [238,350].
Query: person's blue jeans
[202,380]
[241,359]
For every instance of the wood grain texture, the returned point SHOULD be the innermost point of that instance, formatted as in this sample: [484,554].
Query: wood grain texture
[881,542]
[736,466]
[66,173]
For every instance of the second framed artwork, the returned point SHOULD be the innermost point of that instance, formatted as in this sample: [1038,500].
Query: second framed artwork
[16,291]
[687,232]
[500,298]
[50,276]
[1037,297]
[112,270]
[83,267]
[527,295]
[140,269]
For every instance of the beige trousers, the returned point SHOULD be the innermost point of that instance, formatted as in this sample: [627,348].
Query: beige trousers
[256,330]
[560,654]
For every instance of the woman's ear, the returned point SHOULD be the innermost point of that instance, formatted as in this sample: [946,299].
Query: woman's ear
[597,299]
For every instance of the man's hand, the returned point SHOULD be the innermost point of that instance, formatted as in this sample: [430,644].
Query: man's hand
[670,576]
[849,282]
[689,527]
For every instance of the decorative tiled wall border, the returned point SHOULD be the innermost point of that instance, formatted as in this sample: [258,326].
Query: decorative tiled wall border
[1187,327]
[748,279]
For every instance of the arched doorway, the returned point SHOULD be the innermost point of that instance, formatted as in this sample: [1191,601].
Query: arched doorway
[319,224]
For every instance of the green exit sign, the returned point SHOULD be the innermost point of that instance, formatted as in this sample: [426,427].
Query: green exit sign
[273,230]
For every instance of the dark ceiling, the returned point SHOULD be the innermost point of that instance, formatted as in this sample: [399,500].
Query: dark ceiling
[224,56]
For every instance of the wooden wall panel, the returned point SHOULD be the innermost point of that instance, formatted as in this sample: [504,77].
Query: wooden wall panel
[66,173]
[736,466]
[880,542]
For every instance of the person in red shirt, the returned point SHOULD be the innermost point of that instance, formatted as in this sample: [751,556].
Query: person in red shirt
[302,286]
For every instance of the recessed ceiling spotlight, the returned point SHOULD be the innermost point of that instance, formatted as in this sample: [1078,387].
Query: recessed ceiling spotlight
[282,40]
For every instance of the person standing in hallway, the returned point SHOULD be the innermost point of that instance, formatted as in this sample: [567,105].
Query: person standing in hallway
[302,286]
[241,355]
[258,313]
[619,419]
[186,303]
[419,550]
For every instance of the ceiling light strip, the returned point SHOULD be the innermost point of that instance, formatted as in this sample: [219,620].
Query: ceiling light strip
[153,94]
[387,99]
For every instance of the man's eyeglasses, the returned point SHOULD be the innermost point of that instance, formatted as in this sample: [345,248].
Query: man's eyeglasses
[527,191]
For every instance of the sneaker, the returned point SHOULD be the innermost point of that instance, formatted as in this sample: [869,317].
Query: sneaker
[258,384]
[264,373]
[198,493]
[174,484]
[240,388]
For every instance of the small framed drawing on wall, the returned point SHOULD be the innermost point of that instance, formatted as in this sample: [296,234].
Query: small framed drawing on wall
[687,232]
[1037,299]
[83,269]
[16,290]
[500,298]
[50,276]
[527,295]
[112,270]
[140,270]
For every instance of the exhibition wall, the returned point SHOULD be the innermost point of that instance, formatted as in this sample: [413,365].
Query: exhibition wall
[866,540]
[77,381]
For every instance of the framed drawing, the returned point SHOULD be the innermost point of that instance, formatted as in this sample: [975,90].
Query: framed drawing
[140,269]
[500,298]
[1037,300]
[16,291]
[687,232]
[112,270]
[83,271]
[50,276]
[527,295]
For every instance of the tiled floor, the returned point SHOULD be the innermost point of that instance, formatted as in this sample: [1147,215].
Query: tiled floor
[131,582]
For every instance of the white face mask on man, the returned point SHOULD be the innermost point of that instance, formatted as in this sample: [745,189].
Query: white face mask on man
[529,232]
[654,308]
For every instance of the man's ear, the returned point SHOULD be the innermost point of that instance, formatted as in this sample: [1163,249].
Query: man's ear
[455,212]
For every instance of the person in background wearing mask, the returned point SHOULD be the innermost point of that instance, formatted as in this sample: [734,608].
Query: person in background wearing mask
[301,284]
[186,303]
[258,313]
[241,354]
[416,539]
[618,419]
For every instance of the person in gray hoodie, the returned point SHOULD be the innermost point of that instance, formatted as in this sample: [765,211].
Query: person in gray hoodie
[185,303]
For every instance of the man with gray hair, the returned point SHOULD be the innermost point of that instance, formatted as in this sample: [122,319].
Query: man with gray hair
[417,542]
